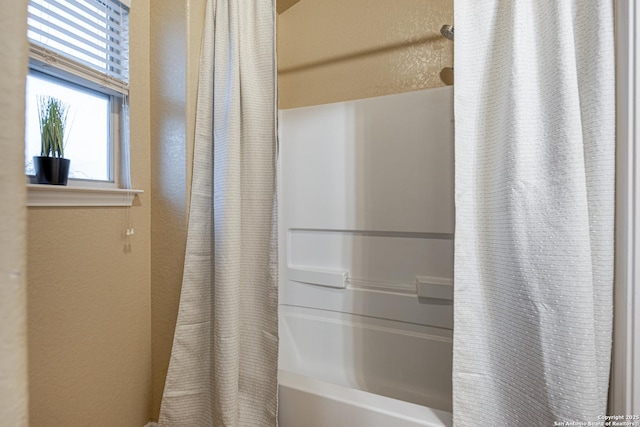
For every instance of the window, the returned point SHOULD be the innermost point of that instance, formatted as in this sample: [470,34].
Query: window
[79,54]
[88,138]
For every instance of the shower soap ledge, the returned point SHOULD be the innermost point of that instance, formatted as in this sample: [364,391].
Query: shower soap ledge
[434,287]
[328,278]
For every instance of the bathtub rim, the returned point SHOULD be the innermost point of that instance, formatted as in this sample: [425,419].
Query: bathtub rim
[422,415]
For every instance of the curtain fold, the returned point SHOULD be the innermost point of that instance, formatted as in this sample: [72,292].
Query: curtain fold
[223,368]
[535,146]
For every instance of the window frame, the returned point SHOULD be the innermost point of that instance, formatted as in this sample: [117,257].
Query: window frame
[114,131]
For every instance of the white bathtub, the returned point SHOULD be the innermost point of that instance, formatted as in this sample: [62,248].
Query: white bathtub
[338,369]
[306,402]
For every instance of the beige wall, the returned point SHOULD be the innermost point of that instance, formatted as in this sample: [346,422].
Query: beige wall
[176,31]
[13,303]
[89,298]
[90,329]
[336,50]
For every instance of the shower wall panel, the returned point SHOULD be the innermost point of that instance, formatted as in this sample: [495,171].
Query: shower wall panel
[367,190]
[366,234]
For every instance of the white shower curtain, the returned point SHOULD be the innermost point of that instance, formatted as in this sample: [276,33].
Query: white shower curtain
[534,108]
[223,369]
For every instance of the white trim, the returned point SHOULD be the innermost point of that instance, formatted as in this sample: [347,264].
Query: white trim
[625,379]
[56,195]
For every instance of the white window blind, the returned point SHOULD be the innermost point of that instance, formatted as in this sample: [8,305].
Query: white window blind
[87,38]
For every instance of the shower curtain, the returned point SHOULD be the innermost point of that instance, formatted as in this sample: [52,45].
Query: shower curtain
[534,108]
[223,369]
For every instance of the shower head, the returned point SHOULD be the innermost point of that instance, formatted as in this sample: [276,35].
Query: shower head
[447,31]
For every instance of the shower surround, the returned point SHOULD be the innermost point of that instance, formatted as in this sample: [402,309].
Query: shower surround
[366,257]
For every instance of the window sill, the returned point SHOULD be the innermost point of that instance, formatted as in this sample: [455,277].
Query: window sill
[57,195]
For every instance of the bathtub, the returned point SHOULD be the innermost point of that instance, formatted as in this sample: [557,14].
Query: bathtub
[338,369]
[307,402]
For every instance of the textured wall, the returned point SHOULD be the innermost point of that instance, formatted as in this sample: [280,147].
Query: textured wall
[88,299]
[176,30]
[335,50]
[13,331]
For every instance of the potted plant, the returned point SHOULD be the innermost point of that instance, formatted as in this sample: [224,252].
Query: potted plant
[51,166]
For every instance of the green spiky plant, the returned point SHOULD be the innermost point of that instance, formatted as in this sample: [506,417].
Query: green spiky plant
[52,114]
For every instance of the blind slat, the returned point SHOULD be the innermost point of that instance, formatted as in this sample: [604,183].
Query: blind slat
[113,58]
[86,41]
[97,26]
[53,63]
[77,49]
[83,6]
[75,23]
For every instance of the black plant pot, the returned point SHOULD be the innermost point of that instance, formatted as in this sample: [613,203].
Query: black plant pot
[51,170]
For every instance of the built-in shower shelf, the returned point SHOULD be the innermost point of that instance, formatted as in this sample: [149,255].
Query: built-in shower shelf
[434,287]
[328,278]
